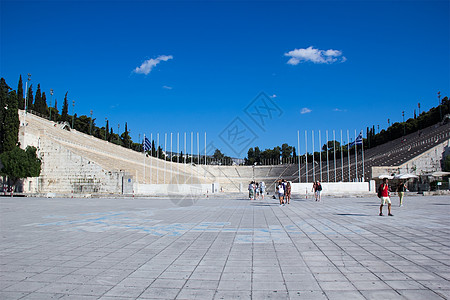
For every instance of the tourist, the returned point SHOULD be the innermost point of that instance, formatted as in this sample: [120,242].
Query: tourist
[288,192]
[262,188]
[383,194]
[281,192]
[251,190]
[257,190]
[401,189]
[318,190]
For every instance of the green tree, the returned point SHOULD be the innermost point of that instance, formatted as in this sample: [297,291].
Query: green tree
[30,97]
[65,109]
[10,123]
[38,100]
[18,163]
[20,94]
[4,92]
[286,152]
[125,137]
[218,155]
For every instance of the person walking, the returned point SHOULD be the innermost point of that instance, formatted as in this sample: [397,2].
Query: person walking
[401,189]
[262,187]
[383,194]
[288,192]
[318,190]
[281,192]
[251,190]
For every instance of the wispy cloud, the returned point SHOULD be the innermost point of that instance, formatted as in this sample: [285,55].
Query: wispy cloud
[167,87]
[149,64]
[305,110]
[314,55]
[339,110]
[273,96]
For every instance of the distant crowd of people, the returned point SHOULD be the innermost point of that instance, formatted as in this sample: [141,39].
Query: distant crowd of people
[256,190]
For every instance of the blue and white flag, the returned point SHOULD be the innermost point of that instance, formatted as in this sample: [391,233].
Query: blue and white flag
[358,141]
[147,144]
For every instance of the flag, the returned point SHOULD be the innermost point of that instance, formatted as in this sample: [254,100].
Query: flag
[358,141]
[147,144]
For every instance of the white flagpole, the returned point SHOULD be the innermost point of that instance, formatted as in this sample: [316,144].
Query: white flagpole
[205,150]
[165,156]
[306,154]
[157,159]
[178,157]
[313,162]
[185,158]
[171,155]
[151,157]
[348,155]
[144,159]
[342,161]
[192,152]
[298,154]
[362,153]
[356,158]
[198,155]
[320,156]
[328,168]
[334,154]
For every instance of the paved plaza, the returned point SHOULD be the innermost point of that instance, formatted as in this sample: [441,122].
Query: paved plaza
[219,248]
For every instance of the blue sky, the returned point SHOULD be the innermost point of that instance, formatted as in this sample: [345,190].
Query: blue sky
[181,66]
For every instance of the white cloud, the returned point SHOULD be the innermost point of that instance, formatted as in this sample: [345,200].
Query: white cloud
[305,110]
[273,96]
[149,64]
[167,87]
[339,110]
[316,56]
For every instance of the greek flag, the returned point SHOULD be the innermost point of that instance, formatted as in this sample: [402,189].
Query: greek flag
[358,141]
[147,144]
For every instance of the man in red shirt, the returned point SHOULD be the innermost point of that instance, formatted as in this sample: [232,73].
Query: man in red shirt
[383,191]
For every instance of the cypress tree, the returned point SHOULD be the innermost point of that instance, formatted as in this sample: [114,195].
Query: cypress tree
[4,89]
[38,100]
[20,94]
[11,123]
[107,130]
[65,109]
[30,97]
[44,107]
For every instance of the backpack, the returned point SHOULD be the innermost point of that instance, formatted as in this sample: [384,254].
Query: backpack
[319,187]
[379,191]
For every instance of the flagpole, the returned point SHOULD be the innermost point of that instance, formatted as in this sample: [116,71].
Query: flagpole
[185,158]
[198,155]
[334,154]
[178,157]
[342,160]
[328,168]
[157,160]
[362,153]
[171,154]
[151,158]
[320,156]
[313,167]
[192,153]
[165,156]
[205,150]
[298,154]
[356,158]
[144,159]
[348,154]
[306,154]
